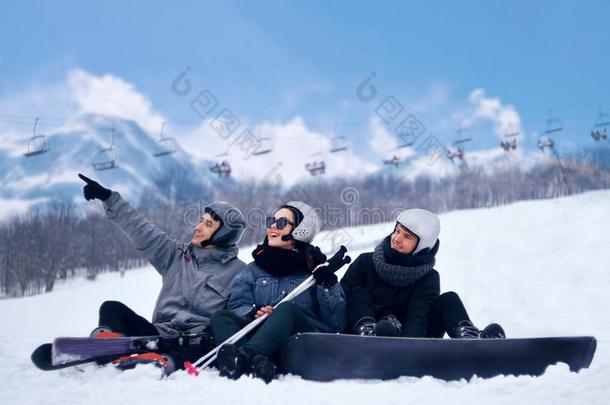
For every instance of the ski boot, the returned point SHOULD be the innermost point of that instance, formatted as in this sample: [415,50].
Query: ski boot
[466,330]
[389,325]
[493,331]
[365,327]
[233,362]
[164,362]
[263,368]
[104,332]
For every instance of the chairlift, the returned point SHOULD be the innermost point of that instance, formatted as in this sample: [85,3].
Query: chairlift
[316,168]
[265,146]
[600,128]
[405,145]
[456,151]
[222,169]
[338,144]
[546,143]
[553,124]
[509,144]
[38,143]
[510,139]
[165,145]
[105,158]
[394,161]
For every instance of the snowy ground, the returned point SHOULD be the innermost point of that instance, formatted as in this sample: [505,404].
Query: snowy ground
[540,268]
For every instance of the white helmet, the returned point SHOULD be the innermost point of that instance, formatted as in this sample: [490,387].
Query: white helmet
[310,224]
[422,223]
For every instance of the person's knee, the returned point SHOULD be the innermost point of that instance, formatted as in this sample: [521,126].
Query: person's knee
[220,315]
[110,307]
[449,298]
[287,308]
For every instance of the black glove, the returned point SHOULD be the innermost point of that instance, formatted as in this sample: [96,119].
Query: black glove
[325,273]
[93,189]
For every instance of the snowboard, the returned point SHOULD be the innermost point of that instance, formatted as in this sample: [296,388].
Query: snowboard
[327,357]
[72,351]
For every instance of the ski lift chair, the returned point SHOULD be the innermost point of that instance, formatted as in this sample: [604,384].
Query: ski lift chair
[222,169]
[316,168]
[264,147]
[394,161]
[105,158]
[165,145]
[37,144]
[338,144]
[545,143]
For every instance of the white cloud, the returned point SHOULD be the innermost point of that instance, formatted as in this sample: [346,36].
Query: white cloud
[382,142]
[112,96]
[294,145]
[504,117]
[80,93]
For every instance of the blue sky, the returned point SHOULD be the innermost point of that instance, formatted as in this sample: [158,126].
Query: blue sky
[274,60]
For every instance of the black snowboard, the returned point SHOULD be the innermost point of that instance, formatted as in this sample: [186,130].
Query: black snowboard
[327,357]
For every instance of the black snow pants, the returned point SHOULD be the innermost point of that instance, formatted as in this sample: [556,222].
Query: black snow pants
[122,319]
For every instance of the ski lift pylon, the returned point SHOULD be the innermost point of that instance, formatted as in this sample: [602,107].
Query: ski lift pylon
[38,143]
[165,145]
[105,158]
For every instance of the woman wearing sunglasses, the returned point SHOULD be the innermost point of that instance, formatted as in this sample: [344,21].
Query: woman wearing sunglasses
[282,262]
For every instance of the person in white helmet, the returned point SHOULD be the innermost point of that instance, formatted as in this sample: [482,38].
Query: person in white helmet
[395,290]
[282,262]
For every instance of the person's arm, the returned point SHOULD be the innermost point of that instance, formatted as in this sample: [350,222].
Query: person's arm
[158,248]
[330,295]
[418,308]
[355,274]
[241,298]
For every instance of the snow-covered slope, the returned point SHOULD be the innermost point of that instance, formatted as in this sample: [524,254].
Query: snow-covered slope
[538,267]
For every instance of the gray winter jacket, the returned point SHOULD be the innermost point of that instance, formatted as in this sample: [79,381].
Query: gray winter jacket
[196,283]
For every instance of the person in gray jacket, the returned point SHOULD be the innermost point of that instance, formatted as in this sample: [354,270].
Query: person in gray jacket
[196,276]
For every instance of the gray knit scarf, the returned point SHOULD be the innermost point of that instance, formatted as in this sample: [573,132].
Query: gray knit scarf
[398,276]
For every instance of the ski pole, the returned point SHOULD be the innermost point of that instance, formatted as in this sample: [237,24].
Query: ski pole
[206,360]
[338,260]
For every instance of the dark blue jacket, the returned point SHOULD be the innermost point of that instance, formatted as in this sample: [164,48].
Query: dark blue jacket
[254,288]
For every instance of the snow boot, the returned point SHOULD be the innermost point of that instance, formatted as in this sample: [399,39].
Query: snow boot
[233,362]
[164,362]
[263,368]
[389,325]
[464,330]
[104,332]
[493,331]
[365,327]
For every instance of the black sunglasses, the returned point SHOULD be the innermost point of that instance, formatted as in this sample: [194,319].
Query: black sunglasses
[280,223]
